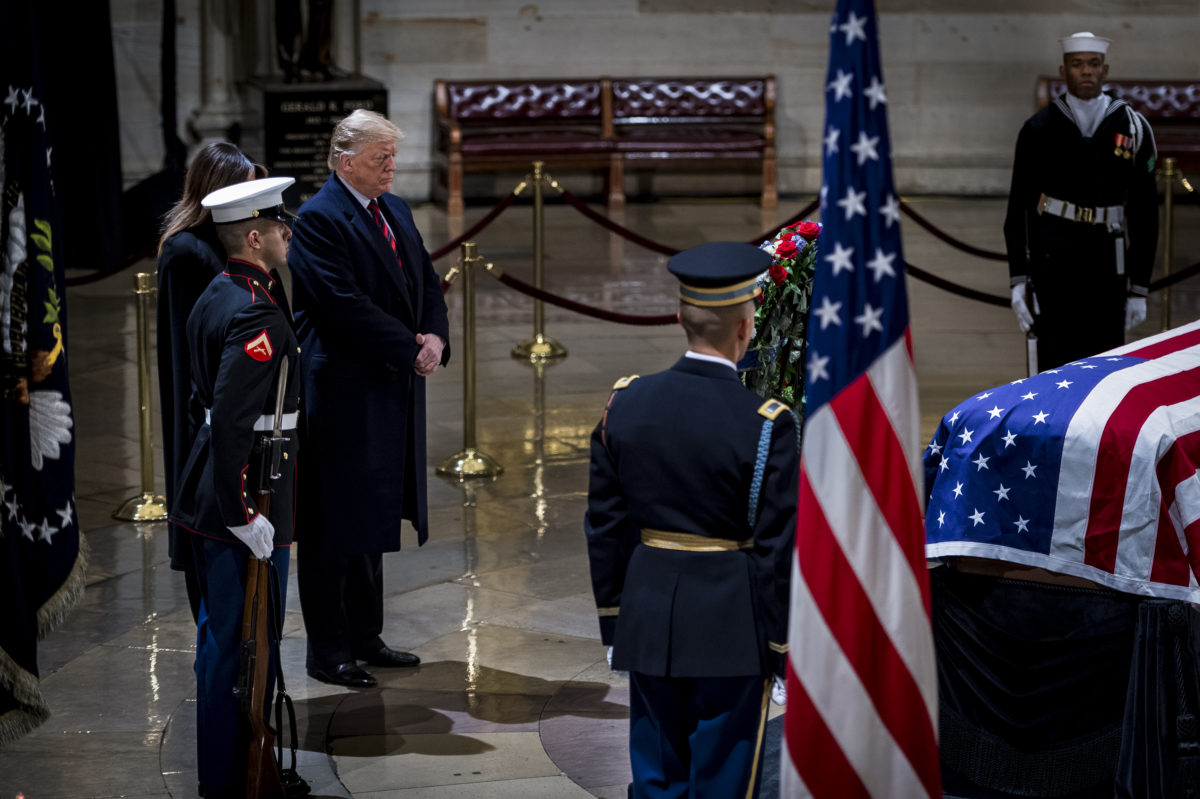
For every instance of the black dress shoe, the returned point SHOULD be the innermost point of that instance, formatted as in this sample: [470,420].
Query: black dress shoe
[386,656]
[347,674]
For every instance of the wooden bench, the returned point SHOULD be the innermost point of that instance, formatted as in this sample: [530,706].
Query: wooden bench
[1172,107]
[503,125]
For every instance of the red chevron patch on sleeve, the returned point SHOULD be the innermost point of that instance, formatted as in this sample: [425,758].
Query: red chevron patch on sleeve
[259,348]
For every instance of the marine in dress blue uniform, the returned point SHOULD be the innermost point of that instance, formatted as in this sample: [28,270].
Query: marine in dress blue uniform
[690,530]
[238,333]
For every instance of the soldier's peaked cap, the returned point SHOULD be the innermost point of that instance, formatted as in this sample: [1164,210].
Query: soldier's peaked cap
[719,273]
[251,199]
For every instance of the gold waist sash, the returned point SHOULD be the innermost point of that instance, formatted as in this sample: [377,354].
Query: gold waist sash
[688,542]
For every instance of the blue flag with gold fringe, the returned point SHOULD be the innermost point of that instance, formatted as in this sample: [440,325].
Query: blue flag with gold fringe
[42,556]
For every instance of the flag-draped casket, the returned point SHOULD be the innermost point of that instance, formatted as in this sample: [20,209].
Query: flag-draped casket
[1089,470]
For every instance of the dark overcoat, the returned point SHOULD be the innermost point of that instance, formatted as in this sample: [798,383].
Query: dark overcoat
[358,312]
[189,261]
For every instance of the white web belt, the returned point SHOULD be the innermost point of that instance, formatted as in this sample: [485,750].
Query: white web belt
[264,423]
[1111,216]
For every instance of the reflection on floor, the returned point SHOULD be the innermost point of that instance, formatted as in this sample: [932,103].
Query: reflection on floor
[513,698]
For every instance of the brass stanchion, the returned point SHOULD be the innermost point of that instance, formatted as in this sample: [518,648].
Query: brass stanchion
[1168,173]
[147,506]
[470,462]
[541,347]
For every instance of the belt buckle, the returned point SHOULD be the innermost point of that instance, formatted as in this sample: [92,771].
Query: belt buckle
[1085,215]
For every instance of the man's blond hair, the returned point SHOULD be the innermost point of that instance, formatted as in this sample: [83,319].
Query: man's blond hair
[360,128]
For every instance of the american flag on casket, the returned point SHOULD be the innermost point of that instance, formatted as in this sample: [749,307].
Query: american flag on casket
[1091,469]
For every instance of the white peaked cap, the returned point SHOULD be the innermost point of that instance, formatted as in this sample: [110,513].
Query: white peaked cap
[249,200]
[1084,42]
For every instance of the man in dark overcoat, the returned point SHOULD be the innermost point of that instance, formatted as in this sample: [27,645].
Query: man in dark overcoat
[1082,222]
[372,325]
[690,530]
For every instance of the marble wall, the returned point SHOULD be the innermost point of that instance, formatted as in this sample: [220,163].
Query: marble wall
[959,73]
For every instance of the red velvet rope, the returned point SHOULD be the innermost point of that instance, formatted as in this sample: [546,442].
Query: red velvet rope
[487,219]
[991,255]
[663,249]
[578,307]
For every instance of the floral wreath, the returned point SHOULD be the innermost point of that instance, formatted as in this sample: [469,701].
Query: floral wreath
[781,320]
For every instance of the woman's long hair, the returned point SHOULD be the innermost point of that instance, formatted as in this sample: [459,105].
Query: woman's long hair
[215,166]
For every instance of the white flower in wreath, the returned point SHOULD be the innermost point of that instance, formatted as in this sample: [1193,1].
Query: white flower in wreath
[50,425]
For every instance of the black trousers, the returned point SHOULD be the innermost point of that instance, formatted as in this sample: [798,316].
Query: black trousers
[341,597]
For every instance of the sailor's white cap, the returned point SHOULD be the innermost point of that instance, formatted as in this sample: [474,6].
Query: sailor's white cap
[251,199]
[1084,42]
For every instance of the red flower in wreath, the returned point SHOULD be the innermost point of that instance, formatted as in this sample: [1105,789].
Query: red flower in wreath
[778,273]
[808,230]
[786,249]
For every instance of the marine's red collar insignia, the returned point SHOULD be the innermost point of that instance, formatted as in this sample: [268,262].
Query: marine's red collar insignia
[259,348]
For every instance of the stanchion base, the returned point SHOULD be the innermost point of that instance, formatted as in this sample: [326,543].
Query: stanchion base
[539,348]
[142,508]
[470,463]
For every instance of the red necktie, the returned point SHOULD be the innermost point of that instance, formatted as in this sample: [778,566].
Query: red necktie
[373,207]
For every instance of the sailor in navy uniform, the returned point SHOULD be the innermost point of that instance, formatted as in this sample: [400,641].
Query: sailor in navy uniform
[690,529]
[238,334]
[1082,222]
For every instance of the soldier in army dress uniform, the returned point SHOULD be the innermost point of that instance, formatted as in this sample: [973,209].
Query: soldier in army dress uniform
[1082,222]
[238,334]
[690,530]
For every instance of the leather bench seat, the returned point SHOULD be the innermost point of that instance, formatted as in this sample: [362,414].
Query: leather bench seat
[493,125]
[533,142]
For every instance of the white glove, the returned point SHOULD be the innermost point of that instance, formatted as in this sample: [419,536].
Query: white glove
[614,671]
[1135,312]
[1024,318]
[779,692]
[259,535]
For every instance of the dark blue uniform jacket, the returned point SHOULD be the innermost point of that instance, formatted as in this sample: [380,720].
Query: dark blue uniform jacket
[673,462]
[238,332]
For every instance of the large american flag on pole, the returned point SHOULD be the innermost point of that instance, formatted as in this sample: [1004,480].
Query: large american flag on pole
[1090,470]
[862,684]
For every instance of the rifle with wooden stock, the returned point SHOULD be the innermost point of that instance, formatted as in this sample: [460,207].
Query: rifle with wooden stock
[263,780]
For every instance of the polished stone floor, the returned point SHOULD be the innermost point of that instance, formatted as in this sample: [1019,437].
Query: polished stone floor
[513,698]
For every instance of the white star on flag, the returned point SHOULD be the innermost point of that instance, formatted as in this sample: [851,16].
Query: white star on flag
[864,148]
[1022,524]
[977,518]
[890,210]
[1040,417]
[875,92]
[853,28]
[870,319]
[995,412]
[818,367]
[1010,440]
[841,85]
[1001,492]
[958,489]
[1029,469]
[1063,384]
[881,264]
[980,462]
[840,258]
[853,203]
[828,313]
[831,141]
[12,99]
[1029,396]
[965,435]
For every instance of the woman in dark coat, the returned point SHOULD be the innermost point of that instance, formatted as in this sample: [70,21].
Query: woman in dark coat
[189,255]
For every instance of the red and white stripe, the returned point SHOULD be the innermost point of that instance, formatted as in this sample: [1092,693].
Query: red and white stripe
[1128,497]
[862,682]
